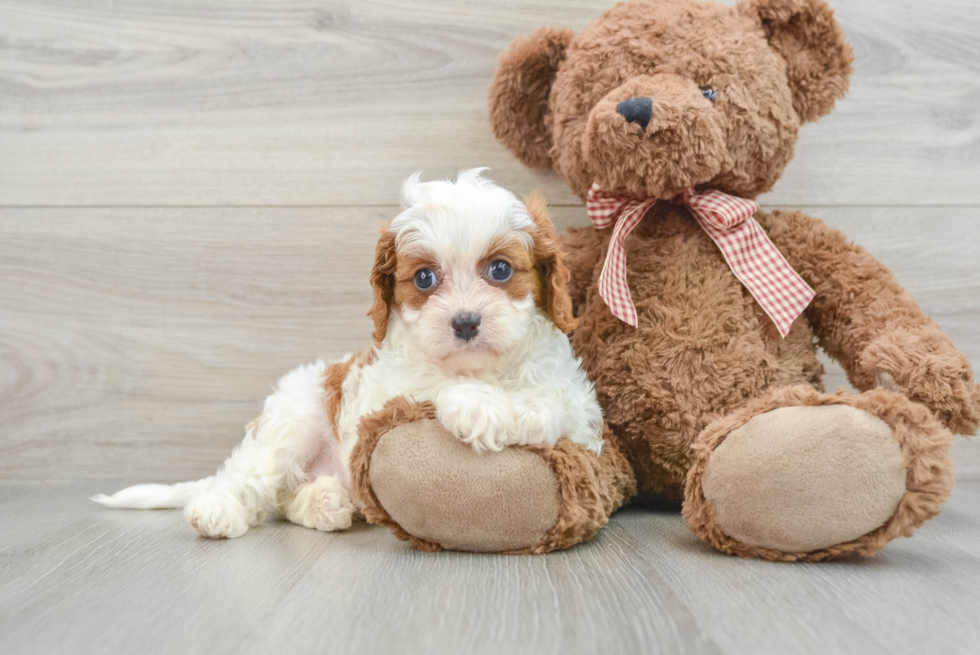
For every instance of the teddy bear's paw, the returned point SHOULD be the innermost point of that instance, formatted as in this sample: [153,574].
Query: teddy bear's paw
[803,479]
[479,414]
[927,368]
[217,516]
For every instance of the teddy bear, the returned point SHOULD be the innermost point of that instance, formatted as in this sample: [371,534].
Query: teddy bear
[699,316]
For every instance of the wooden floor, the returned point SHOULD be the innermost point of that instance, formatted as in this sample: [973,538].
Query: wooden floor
[189,191]
[75,578]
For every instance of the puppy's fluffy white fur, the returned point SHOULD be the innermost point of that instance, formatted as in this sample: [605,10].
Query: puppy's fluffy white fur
[515,382]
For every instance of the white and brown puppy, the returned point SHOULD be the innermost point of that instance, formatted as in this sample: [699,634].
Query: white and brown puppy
[470,312]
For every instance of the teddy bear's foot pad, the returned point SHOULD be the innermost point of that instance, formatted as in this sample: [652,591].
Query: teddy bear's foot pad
[800,479]
[440,490]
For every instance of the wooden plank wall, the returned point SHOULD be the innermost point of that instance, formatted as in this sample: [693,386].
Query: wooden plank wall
[189,189]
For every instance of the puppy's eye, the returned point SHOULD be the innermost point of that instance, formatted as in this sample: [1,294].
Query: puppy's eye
[425,279]
[500,271]
[709,94]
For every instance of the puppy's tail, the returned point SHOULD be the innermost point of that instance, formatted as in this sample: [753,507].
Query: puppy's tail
[154,496]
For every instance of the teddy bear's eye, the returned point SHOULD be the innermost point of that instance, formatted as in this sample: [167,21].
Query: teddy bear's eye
[709,94]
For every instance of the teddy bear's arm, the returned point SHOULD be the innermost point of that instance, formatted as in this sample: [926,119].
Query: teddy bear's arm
[581,248]
[866,321]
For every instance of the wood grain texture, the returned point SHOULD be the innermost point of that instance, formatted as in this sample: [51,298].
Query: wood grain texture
[311,102]
[137,342]
[142,337]
[76,578]
[188,195]
[917,596]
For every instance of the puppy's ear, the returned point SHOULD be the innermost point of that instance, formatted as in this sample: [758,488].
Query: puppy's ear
[554,275]
[818,59]
[383,283]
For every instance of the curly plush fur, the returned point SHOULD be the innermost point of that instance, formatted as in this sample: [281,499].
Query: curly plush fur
[704,353]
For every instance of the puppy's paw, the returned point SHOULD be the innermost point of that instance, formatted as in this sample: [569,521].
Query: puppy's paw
[216,516]
[479,414]
[323,504]
[538,421]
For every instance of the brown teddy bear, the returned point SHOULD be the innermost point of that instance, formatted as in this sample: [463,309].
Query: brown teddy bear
[699,316]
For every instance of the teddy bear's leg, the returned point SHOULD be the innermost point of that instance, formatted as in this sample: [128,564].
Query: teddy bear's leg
[412,475]
[806,476]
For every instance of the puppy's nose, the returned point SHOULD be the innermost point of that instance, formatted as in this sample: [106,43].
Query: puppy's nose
[466,325]
[636,110]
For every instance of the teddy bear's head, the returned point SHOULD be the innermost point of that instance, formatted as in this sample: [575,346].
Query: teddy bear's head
[660,95]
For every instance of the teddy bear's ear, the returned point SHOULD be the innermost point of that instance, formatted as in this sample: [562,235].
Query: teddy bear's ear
[819,60]
[519,93]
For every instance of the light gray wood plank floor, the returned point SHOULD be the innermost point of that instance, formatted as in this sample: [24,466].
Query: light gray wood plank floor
[76,578]
[188,196]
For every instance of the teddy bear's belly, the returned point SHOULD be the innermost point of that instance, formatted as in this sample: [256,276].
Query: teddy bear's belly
[703,348]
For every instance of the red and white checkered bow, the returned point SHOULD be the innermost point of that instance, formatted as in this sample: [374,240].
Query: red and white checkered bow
[753,258]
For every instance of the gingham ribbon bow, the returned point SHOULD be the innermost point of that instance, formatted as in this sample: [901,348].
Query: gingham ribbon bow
[753,258]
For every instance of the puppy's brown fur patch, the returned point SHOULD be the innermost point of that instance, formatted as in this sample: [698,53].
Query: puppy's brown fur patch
[383,282]
[553,276]
[524,279]
[333,383]
[406,293]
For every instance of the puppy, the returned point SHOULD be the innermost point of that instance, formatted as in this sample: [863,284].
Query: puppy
[470,312]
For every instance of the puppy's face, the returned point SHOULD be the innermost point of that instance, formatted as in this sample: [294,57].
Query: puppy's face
[464,269]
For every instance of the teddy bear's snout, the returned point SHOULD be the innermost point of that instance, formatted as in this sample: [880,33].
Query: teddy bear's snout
[654,135]
[636,110]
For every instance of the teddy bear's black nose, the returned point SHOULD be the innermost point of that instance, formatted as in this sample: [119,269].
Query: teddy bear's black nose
[636,110]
